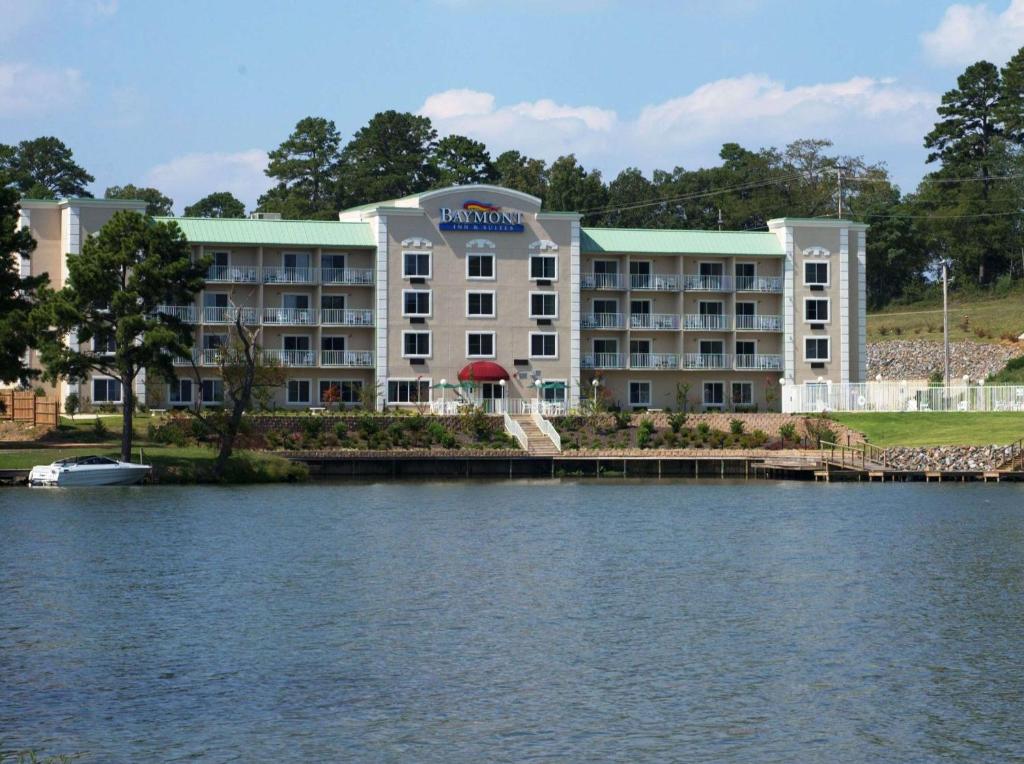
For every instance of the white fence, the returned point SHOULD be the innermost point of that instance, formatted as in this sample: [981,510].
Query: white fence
[548,429]
[512,428]
[900,396]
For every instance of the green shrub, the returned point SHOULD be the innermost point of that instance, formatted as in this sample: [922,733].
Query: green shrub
[622,419]
[312,426]
[246,467]
[646,424]
[758,438]
[643,438]
[341,430]
[676,421]
[72,404]
[174,431]
[819,429]
[787,431]
[99,428]
[736,426]
[703,429]
[275,440]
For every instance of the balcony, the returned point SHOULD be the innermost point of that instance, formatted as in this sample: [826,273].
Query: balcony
[283,275]
[346,317]
[228,315]
[707,361]
[694,283]
[347,276]
[291,357]
[654,321]
[759,362]
[602,281]
[289,316]
[707,322]
[360,359]
[233,274]
[653,361]
[763,284]
[602,321]
[603,361]
[204,357]
[657,282]
[759,323]
[184,313]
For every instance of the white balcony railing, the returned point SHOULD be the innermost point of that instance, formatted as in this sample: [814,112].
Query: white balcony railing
[602,281]
[653,361]
[707,322]
[346,276]
[770,284]
[663,321]
[228,315]
[759,323]
[602,321]
[291,357]
[353,358]
[185,313]
[204,357]
[290,316]
[346,317]
[283,275]
[661,282]
[707,361]
[233,274]
[759,362]
[694,283]
[604,361]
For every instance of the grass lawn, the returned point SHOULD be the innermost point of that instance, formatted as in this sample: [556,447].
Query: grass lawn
[992,317]
[936,428]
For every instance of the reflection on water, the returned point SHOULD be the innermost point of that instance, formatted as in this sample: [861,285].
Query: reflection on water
[687,621]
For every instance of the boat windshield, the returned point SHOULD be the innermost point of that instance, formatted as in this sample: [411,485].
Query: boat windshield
[85,460]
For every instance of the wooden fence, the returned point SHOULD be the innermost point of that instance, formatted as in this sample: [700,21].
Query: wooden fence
[26,406]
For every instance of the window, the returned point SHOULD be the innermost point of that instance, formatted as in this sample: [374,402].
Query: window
[553,391]
[711,308]
[746,309]
[480,304]
[746,347]
[816,310]
[606,306]
[639,393]
[711,269]
[543,305]
[212,391]
[179,391]
[817,349]
[815,274]
[295,342]
[543,267]
[415,302]
[742,394]
[219,261]
[606,346]
[714,395]
[416,265]
[215,299]
[298,391]
[332,262]
[408,391]
[543,345]
[480,344]
[332,342]
[332,302]
[106,391]
[479,266]
[340,390]
[415,344]
[711,347]
[104,344]
[295,260]
[214,341]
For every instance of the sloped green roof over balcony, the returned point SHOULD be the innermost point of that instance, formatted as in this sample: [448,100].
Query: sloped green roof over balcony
[670,242]
[293,233]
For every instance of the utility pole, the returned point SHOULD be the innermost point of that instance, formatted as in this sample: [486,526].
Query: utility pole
[719,218]
[945,322]
[839,181]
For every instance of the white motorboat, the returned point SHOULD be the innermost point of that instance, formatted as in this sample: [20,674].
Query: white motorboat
[88,470]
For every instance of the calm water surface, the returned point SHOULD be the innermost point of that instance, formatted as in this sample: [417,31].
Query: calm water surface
[470,622]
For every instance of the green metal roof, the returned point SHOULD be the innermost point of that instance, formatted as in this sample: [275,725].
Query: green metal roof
[299,233]
[650,241]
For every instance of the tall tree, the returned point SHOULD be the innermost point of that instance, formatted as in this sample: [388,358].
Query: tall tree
[387,158]
[1010,110]
[111,303]
[17,294]
[306,168]
[633,201]
[522,173]
[44,167]
[459,160]
[220,204]
[572,189]
[157,204]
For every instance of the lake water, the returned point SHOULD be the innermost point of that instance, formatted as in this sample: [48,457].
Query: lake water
[490,622]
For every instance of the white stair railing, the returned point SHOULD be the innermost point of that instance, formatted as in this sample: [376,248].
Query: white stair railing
[513,428]
[548,429]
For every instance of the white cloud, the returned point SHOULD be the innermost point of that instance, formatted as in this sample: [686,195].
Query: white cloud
[969,33]
[27,90]
[875,117]
[189,178]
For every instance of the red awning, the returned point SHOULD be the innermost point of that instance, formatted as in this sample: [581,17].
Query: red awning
[482,371]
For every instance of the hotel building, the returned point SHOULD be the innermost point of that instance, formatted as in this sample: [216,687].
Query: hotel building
[479,283]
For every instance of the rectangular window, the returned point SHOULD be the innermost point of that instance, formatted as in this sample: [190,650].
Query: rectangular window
[554,391]
[295,342]
[479,266]
[711,269]
[543,305]
[104,344]
[106,391]
[714,395]
[405,391]
[745,309]
[332,342]
[215,299]
[746,347]
[332,302]
[212,391]
[415,302]
[742,393]
[340,390]
[332,262]
[543,345]
[480,344]
[543,267]
[816,310]
[415,344]
[817,349]
[416,265]
[606,306]
[179,391]
[298,391]
[606,346]
[815,274]
[480,304]
[639,393]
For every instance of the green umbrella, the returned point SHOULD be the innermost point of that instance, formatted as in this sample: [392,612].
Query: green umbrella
[444,386]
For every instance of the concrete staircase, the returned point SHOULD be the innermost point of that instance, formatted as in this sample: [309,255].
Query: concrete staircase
[537,443]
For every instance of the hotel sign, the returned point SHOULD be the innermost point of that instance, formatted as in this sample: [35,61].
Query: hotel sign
[478,216]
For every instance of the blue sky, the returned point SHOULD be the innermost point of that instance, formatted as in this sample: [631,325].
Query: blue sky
[189,95]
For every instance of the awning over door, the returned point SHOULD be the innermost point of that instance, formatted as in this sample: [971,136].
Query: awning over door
[483,371]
